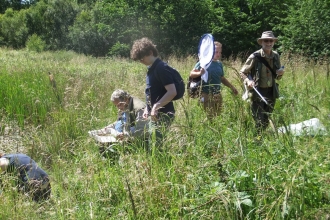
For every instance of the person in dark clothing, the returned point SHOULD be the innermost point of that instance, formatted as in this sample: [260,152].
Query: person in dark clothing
[160,87]
[31,178]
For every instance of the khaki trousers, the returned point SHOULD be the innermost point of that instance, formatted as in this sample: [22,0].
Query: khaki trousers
[212,104]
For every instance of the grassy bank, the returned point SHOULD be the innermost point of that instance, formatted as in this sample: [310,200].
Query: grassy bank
[204,171]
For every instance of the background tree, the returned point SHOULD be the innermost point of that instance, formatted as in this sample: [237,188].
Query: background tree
[84,36]
[13,28]
[15,4]
[58,17]
[306,28]
[108,27]
[178,25]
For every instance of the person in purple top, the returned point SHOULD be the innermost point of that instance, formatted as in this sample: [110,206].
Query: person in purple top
[31,178]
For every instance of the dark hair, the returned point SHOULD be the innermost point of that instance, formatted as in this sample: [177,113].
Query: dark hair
[142,48]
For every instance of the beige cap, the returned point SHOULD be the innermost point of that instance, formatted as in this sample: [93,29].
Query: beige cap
[266,35]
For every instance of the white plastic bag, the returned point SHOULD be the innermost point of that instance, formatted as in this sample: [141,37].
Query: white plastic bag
[309,127]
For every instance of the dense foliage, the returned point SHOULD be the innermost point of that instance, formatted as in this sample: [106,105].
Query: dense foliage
[109,27]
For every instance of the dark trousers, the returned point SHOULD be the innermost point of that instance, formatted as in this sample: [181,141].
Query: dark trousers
[158,129]
[38,189]
[260,110]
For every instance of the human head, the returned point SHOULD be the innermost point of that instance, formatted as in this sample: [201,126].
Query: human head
[143,47]
[217,50]
[4,162]
[267,35]
[120,99]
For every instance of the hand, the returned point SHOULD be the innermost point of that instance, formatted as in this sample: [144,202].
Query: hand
[120,136]
[234,90]
[280,72]
[145,113]
[202,71]
[154,113]
[250,84]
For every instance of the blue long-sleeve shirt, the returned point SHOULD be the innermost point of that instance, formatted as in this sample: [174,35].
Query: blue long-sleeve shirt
[27,167]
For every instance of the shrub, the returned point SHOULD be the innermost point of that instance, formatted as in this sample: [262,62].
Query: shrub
[119,50]
[35,43]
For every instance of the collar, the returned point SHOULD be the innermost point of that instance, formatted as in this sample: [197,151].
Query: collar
[263,54]
[154,64]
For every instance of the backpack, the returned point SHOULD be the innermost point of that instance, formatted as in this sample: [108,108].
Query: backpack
[178,81]
[194,87]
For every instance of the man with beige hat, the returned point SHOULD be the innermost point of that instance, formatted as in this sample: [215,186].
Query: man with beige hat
[259,73]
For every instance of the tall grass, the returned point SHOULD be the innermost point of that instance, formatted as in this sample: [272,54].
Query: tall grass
[204,170]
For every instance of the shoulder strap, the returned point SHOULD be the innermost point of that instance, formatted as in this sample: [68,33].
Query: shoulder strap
[264,61]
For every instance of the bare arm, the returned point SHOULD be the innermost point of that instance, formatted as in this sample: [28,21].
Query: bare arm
[196,73]
[168,97]
[229,85]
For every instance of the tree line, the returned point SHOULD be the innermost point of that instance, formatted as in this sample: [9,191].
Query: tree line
[109,27]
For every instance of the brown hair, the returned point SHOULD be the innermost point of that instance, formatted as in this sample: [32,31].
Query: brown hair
[142,48]
[217,44]
[1,155]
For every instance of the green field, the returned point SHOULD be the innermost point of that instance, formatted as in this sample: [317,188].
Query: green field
[203,171]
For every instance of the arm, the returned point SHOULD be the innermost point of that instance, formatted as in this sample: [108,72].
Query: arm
[112,125]
[168,97]
[279,73]
[196,73]
[229,85]
[245,71]
[145,113]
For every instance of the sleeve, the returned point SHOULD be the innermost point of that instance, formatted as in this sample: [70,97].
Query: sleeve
[278,61]
[248,65]
[222,74]
[197,66]
[164,74]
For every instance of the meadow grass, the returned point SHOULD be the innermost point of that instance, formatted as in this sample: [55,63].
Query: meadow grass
[204,170]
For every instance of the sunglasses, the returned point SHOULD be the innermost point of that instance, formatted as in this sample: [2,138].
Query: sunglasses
[268,41]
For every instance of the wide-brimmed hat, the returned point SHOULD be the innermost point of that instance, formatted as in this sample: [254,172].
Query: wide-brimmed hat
[266,35]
